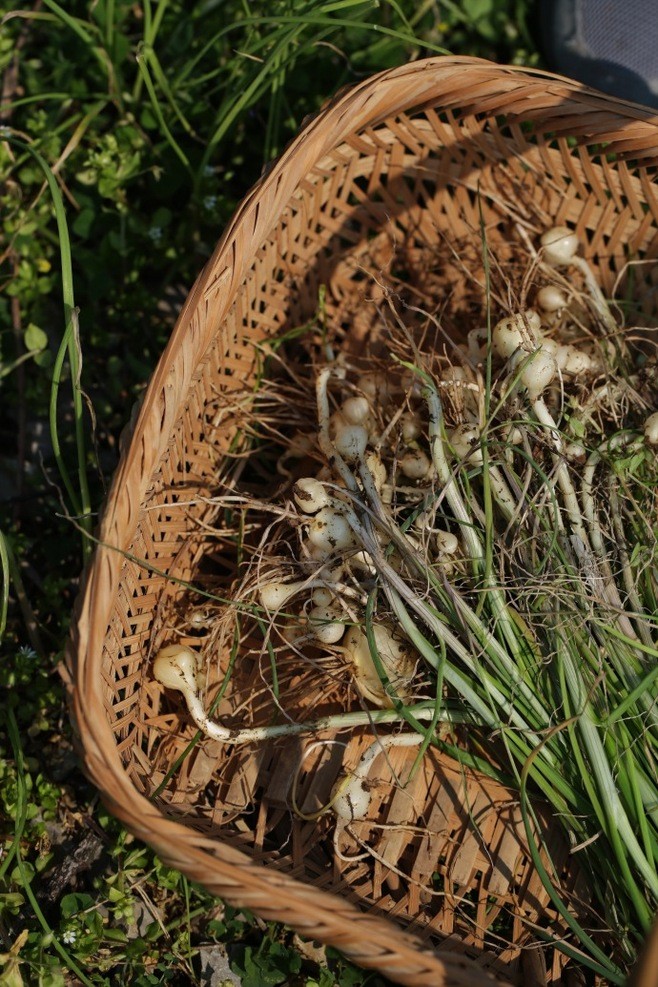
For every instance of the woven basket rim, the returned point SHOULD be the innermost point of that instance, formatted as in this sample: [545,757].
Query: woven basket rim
[458,82]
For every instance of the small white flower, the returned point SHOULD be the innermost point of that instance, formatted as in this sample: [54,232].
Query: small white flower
[155,233]
[25,651]
[210,202]
[69,936]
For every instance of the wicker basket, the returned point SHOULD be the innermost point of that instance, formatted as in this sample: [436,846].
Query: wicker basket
[407,163]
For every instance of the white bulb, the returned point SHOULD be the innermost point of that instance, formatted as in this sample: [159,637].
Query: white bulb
[551,346]
[651,429]
[539,373]
[356,410]
[447,543]
[351,442]
[310,495]
[329,531]
[322,597]
[465,440]
[522,329]
[177,667]
[575,452]
[410,427]
[351,799]
[394,656]
[324,626]
[415,464]
[559,246]
[551,299]
[276,594]
[574,360]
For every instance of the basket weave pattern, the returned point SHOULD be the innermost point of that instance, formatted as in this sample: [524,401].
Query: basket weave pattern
[397,172]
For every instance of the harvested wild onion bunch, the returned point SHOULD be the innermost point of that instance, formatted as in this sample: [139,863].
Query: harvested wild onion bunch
[476,542]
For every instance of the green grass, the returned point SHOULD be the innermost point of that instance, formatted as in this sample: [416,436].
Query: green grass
[130,133]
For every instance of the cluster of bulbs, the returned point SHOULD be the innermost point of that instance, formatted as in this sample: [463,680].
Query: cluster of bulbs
[375,443]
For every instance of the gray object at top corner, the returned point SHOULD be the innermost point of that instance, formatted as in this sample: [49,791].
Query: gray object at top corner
[610,45]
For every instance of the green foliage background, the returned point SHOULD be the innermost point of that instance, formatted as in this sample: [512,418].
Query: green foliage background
[155,119]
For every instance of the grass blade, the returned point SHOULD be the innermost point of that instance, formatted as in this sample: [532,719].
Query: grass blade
[4,590]
[142,60]
[21,818]
[69,345]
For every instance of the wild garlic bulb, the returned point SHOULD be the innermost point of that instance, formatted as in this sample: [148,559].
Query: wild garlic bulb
[560,245]
[326,625]
[575,360]
[352,795]
[522,330]
[329,531]
[447,543]
[356,410]
[395,657]
[411,427]
[322,596]
[651,429]
[415,464]
[310,494]
[465,440]
[351,442]
[551,299]
[277,593]
[538,373]
[177,667]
